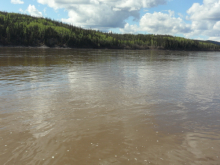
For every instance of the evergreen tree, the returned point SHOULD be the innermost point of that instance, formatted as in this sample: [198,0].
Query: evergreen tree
[20,29]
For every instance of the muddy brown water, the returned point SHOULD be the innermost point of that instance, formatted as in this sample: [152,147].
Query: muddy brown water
[103,107]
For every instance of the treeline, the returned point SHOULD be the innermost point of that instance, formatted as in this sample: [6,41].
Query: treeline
[24,30]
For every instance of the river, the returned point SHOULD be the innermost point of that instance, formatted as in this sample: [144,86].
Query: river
[121,107]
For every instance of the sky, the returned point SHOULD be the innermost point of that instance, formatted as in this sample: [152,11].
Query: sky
[194,19]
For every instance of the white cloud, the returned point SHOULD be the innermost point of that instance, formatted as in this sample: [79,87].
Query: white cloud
[22,11]
[180,15]
[214,38]
[159,23]
[205,21]
[129,28]
[17,2]
[33,11]
[138,4]
[106,14]
[209,10]
[217,26]
[162,23]
[205,18]
[121,4]
[102,14]
[98,16]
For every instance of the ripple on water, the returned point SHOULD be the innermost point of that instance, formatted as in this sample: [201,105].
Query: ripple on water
[109,107]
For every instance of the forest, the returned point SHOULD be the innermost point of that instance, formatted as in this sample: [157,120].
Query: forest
[24,30]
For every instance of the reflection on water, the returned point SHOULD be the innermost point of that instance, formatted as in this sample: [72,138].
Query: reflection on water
[109,107]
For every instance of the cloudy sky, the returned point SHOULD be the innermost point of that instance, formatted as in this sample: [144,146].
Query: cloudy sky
[196,19]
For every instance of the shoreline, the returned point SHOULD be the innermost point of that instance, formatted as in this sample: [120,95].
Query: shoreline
[64,47]
[125,48]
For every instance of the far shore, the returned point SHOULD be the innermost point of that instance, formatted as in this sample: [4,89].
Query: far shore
[114,48]
[65,47]
[43,46]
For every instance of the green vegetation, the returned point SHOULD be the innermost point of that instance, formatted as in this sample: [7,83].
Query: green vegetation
[24,30]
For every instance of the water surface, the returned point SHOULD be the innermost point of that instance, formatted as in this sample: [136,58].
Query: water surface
[109,107]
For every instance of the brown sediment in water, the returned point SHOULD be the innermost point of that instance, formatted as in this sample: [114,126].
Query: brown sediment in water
[97,138]
[108,107]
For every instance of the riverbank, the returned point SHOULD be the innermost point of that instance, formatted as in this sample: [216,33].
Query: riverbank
[66,47]
[116,48]
[19,30]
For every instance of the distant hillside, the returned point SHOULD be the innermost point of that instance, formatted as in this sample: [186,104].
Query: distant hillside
[214,42]
[24,30]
